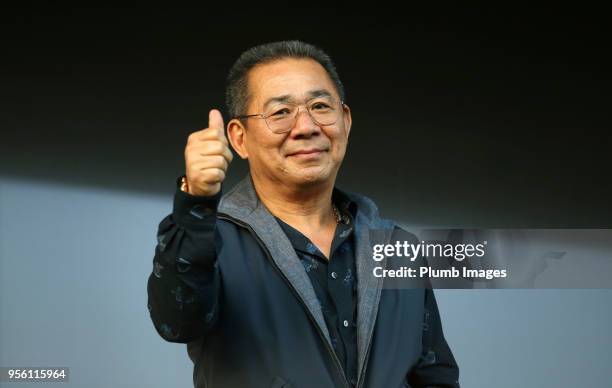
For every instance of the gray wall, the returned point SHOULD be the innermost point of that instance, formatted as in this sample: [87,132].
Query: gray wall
[73,271]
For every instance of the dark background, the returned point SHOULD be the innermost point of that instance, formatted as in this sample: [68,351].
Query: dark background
[474,117]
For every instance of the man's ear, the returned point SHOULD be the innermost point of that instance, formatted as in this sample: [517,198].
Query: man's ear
[348,120]
[236,134]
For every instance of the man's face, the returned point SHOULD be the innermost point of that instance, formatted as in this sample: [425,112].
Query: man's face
[309,153]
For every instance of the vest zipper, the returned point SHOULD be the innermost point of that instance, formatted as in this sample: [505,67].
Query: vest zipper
[331,352]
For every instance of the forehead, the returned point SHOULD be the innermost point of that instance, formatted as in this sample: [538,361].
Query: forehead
[295,77]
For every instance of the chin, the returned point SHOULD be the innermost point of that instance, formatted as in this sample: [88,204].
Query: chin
[309,176]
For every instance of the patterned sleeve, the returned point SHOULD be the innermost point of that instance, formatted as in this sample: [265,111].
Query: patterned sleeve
[437,366]
[184,285]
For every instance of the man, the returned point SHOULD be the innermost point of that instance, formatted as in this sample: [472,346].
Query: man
[272,285]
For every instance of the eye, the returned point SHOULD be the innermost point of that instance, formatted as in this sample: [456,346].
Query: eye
[319,106]
[280,112]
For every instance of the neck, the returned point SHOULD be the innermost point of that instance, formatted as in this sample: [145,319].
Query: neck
[304,207]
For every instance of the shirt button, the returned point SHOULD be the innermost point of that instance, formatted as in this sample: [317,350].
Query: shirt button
[334,275]
[345,323]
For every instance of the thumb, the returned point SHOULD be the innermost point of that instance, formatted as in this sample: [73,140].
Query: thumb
[215,119]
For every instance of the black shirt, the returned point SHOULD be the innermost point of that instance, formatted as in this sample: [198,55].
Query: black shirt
[334,282]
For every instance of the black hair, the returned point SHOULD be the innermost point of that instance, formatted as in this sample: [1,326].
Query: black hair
[237,93]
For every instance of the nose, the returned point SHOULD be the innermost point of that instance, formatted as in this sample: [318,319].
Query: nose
[304,124]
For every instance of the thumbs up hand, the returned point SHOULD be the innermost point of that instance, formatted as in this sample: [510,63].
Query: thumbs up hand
[207,156]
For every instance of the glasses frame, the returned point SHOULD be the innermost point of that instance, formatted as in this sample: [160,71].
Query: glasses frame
[297,113]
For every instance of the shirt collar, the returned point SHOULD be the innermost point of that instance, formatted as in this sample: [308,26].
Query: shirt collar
[346,207]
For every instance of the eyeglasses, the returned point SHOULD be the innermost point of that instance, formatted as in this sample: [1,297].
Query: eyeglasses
[281,117]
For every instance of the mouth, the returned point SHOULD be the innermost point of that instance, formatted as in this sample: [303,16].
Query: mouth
[308,152]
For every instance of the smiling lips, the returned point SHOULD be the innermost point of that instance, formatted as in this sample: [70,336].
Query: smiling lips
[307,152]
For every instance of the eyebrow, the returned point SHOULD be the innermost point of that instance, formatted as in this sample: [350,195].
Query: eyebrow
[288,98]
